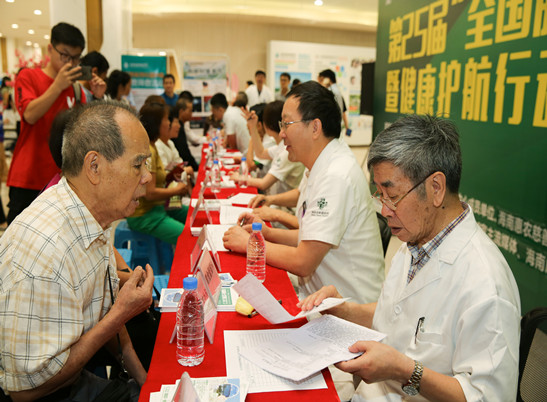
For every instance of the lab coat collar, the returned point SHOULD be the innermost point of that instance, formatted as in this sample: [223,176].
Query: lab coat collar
[445,254]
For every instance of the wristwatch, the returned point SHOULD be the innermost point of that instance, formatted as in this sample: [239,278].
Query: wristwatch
[412,387]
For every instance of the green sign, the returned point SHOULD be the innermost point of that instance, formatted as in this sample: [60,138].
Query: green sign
[146,71]
[483,64]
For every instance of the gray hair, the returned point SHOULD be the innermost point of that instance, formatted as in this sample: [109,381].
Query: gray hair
[93,128]
[420,145]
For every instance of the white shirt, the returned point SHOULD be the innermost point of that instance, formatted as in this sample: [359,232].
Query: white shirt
[168,152]
[471,307]
[254,98]
[235,123]
[335,207]
[289,174]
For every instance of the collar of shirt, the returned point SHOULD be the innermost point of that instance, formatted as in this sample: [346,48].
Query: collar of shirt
[85,222]
[322,159]
[420,256]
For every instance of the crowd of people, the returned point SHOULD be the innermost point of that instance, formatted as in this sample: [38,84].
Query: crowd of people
[85,158]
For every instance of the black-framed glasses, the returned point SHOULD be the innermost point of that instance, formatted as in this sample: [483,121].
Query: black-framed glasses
[65,57]
[393,204]
[284,124]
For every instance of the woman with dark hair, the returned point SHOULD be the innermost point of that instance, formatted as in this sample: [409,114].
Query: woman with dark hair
[151,217]
[118,85]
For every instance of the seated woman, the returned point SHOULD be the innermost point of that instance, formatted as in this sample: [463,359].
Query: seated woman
[283,175]
[150,217]
[167,151]
[118,86]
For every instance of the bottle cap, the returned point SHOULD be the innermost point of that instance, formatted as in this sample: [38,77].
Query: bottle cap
[190,283]
[243,159]
[257,226]
[215,161]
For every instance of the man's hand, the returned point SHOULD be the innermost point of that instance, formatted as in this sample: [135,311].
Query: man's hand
[266,213]
[98,86]
[136,294]
[378,362]
[315,299]
[236,239]
[252,120]
[67,76]
[258,201]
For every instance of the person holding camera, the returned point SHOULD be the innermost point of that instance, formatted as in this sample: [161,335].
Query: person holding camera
[41,93]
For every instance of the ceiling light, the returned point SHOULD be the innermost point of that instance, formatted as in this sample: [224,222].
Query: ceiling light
[10,1]
[37,12]
[31,31]
[318,2]
[46,37]
[14,26]
[28,43]
[36,45]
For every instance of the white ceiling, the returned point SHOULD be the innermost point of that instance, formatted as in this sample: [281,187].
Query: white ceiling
[345,14]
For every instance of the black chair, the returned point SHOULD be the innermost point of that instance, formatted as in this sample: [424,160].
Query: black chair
[532,384]
[385,231]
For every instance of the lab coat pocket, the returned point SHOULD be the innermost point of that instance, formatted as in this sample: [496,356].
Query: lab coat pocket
[435,349]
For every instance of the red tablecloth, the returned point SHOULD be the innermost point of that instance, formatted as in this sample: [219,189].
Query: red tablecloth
[164,368]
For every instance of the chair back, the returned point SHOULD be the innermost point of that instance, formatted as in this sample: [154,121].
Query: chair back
[533,356]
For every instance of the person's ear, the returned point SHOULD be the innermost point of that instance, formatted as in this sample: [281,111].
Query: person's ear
[92,167]
[317,128]
[437,185]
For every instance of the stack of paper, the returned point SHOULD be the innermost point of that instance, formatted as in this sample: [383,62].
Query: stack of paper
[202,390]
[169,299]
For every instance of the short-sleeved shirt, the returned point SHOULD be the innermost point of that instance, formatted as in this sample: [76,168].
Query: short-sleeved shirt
[235,124]
[170,101]
[168,153]
[32,165]
[289,174]
[53,285]
[156,167]
[254,98]
[335,207]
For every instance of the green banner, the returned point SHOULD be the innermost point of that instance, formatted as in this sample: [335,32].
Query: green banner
[146,71]
[483,64]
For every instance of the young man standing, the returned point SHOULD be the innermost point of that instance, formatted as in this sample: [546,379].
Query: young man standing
[41,94]
[259,92]
[284,82]
[169,88]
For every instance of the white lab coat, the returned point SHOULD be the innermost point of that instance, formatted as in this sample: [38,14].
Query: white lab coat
[470,303]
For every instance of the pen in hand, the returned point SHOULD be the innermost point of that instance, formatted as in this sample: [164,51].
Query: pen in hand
[242,222]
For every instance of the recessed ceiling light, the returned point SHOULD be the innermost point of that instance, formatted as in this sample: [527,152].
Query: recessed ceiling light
[10,1]
[37,12]
[36,45]
[46,37]
[14,26]
[28,43]
[31,31]
[318,2]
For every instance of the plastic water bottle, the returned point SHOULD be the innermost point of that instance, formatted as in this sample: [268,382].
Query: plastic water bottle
[220,147]
[215,177]
[190,341]
[256,253]
[210,156]
[243,173]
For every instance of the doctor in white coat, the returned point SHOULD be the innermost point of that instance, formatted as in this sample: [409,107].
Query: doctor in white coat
[450,306]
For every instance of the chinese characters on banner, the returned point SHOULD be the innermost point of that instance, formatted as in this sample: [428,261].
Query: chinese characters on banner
[482,64]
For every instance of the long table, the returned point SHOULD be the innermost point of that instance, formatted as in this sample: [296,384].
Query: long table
[164,368]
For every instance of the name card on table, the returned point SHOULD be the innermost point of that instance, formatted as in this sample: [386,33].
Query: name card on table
[204,244]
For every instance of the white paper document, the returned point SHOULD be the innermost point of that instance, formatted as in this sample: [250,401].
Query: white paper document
[263,301]
[241,198]
[303,352]
[260,380]
[229,214]
[214,235]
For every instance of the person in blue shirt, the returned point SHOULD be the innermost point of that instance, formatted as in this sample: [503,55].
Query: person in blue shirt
[169,88]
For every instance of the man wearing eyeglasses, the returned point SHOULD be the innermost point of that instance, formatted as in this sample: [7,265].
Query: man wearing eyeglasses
[41,93]
[450,306]
[338,240]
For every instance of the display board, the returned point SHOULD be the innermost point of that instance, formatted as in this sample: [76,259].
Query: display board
[483,64]
[146,76]
[305,60]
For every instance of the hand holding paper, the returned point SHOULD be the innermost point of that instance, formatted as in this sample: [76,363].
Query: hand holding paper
[263,301]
